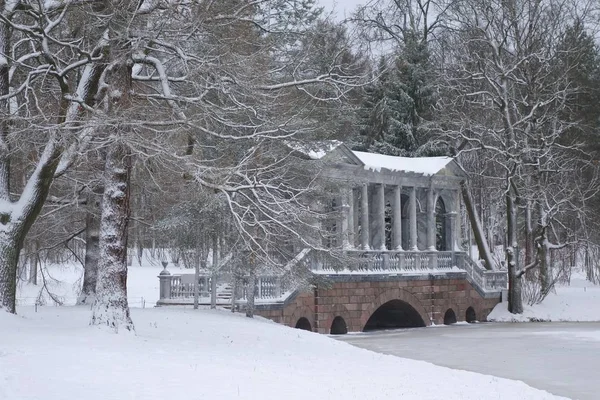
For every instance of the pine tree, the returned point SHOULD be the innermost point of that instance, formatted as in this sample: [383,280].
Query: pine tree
[397,106]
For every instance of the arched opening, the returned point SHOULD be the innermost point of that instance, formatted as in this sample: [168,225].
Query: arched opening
[440,225]
[449,317]
[304,324]
[394,314]
[470,316]
[338,326]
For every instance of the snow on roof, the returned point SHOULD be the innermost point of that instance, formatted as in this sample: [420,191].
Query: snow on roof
[314,150]
[418,165]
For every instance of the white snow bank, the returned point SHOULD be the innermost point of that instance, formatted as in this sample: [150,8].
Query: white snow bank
[419,165]
[187,354]
[578,302]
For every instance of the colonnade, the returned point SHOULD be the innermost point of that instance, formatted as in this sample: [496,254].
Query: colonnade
[363,224]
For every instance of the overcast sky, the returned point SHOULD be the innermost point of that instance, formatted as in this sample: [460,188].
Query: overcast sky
[341,6]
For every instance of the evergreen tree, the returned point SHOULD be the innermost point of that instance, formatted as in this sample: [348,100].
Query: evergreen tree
[398,105]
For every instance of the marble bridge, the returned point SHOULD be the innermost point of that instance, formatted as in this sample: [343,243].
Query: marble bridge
[401,232]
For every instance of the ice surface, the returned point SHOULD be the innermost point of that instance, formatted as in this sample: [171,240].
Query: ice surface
[561,358]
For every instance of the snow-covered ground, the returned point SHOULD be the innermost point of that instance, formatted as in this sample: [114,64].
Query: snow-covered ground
[181,353]
[64,281]
[580,301]
[187,354]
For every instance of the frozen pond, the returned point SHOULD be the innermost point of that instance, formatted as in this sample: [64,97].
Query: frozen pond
[561,358]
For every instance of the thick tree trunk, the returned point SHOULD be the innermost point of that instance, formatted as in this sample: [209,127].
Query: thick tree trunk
[28,208]
[92,251]
[9,260]
[484,250]
[515,301]
[111,308]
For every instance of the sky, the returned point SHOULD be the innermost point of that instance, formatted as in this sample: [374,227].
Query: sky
[341,6]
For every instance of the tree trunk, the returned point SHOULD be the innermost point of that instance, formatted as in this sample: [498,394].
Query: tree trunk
[92,251]
[544,250]
[9,260]
[213,279]
[515,301]
[250,293]
[33,263]
[198,255]
[111,308]
[484,250]
[528,235]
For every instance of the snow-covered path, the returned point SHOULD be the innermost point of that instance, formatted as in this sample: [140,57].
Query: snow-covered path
[562,358]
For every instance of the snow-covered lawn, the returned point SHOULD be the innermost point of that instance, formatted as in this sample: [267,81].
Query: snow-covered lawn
[187,354]
[578,302]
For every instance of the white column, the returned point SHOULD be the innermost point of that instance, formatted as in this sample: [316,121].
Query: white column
[350,213]
[356,216]
[431,228]
[456,234]
[364,217]
[397,219]
[379,242]
[344,219]
[412,207]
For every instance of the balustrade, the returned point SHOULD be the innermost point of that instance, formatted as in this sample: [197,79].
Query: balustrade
[400,261]
[271,288]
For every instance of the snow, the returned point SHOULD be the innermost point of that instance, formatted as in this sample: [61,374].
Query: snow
[182,353]
[314,150]
[65,281]
[179,352]
[391,272]
[419,165]
[580,301]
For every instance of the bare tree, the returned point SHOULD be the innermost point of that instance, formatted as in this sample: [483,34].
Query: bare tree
[508,94]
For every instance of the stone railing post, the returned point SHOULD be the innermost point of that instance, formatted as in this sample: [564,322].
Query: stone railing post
[259,283]
[278,291]
[165,283]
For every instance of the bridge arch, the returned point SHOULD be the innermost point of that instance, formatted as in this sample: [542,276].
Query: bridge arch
[397,300]
[337,310]
[338,326]
[304,324]
[299,313]
[470,315]
[449,317]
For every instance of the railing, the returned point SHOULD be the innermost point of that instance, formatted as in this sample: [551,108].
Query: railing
[417,262]
[266,288]
[181,287]
[392,261]
[485,279]
[275,288]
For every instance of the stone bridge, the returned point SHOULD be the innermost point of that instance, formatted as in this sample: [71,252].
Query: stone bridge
[351,303]
[388,290]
